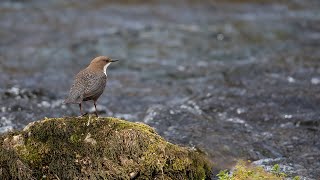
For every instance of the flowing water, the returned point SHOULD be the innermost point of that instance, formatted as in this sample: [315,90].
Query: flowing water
[235,79]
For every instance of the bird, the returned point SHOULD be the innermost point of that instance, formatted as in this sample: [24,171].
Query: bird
[90,83]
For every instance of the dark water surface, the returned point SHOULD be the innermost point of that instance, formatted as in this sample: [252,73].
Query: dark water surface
[238,80]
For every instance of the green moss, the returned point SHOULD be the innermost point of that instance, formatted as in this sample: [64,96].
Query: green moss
[180,164]
[75,138]
[32,152]
[99,148]
[245,171]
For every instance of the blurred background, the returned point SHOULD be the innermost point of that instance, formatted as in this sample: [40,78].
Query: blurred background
[237,79]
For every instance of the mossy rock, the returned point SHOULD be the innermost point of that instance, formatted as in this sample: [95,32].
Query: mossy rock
[246,171]
[96,148]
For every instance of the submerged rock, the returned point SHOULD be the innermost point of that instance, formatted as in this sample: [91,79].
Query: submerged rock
[96,148]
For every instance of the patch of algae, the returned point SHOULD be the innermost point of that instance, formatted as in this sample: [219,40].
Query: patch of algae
[96,148]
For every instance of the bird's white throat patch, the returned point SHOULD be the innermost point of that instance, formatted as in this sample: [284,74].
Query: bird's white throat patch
[105,68]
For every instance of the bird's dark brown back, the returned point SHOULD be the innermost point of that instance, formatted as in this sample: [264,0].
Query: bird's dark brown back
[88,85]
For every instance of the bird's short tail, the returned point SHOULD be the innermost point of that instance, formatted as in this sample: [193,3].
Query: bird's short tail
[70,100]
[66,101]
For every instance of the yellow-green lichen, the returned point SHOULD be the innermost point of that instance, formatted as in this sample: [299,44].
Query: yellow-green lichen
[98,148]
[245,171]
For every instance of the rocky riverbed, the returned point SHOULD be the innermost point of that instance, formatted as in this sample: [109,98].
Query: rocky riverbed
[235,79]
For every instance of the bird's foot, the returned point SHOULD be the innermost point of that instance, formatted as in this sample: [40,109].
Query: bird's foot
[88,114]
[85,114]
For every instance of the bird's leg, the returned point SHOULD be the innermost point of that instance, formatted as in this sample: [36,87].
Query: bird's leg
[95,107]
[81,110]
[81,114]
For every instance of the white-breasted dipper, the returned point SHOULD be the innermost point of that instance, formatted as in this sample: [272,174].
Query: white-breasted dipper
[89,83]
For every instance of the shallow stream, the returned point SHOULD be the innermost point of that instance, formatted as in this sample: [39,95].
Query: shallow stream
[236,79]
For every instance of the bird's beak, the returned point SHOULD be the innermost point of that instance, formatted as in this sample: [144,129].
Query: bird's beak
[114,60]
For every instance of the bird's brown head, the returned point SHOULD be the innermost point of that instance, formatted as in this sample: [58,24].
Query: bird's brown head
[101,62]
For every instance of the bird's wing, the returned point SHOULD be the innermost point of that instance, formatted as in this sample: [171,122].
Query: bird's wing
[77,89]
[95,85]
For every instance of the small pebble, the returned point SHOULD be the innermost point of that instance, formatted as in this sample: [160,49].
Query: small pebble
[291,79]
[315,80]
[220,37]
